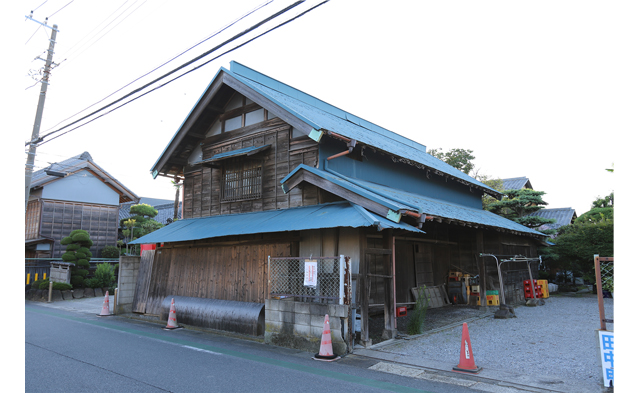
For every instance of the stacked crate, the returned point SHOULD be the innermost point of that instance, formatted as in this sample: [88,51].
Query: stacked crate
[529,290]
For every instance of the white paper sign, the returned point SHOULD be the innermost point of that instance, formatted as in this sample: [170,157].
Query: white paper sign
[310,273]
[605,339]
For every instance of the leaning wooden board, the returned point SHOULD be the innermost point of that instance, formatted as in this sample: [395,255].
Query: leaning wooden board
[437,295]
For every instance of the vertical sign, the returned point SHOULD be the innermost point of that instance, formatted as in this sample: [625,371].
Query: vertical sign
[310,273]
[605,339]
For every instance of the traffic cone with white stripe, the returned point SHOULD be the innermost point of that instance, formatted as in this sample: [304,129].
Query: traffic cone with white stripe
[467,364]
[326,348]
[105,305]
[172,323]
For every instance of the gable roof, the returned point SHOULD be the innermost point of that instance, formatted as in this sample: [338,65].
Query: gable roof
[164,207]
[516,183]
[305,112]
[563,217]
[83,161]
[394,203]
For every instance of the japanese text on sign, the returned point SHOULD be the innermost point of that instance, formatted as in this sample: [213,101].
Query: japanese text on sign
[310,273]
[605,339]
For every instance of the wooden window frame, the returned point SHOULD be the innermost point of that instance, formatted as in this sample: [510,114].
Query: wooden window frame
[241,180]
[240,111]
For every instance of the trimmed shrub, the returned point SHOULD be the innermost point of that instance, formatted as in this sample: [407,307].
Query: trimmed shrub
[77,281]
[36,284]
[44,285]
[93,283]
[105,274]
[110,252]
[61,286]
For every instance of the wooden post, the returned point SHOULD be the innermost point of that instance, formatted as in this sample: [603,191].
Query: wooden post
[365,285]
[389,331]
[481,268]
[596,260]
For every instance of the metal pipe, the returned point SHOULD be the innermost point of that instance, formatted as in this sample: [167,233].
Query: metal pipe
[340,154]
[338,136]
[50,289]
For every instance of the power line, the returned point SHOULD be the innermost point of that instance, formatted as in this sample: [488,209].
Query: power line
[64,6]
[88,36]
[168,82]
[168,61]
[183,66]
[116,25]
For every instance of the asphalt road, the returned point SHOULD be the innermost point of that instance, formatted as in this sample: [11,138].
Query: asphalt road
[67,351]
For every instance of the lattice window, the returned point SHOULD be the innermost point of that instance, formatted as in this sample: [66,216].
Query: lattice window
[242,180]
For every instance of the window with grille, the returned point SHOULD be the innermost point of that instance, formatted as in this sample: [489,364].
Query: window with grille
[242,180]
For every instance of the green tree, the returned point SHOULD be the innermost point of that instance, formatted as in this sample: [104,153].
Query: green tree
[517,204]
[77,252]
[575,245]
[140,223]
[458,158]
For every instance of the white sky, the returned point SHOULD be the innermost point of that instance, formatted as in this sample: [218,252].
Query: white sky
[541,89]
[534,89]
[531,89]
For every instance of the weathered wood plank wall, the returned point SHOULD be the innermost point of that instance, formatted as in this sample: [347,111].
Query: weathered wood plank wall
[203,184]
[59,218]
[225,272]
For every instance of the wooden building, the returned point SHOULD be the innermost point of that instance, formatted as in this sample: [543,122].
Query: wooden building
[272,171]
[73,194]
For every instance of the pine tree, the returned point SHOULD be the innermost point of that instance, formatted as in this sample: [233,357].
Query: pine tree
[77,252]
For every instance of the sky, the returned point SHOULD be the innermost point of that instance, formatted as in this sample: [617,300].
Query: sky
[533,89]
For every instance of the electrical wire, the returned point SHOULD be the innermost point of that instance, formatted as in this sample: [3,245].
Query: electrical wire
[108,31]
[168,61]
[64,6]
[39,6]
[88,36]
[40,139]
[180,76]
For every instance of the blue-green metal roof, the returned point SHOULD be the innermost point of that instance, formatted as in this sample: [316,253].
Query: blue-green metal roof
[332,215]
[397,199]
[235,153]
[322,115]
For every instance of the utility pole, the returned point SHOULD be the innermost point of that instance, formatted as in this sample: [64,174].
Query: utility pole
[35,135]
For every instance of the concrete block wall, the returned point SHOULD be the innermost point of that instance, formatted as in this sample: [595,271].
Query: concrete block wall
[300,325]
[127,278]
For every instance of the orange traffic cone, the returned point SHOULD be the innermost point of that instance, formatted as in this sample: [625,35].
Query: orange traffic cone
[466,354]
[105,305]
[172,323]
[326,348]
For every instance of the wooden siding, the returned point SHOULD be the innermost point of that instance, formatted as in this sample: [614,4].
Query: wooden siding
[32,220]
[225,272]
[59,218]
[202,193]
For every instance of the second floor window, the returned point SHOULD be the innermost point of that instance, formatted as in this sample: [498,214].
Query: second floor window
[241,180]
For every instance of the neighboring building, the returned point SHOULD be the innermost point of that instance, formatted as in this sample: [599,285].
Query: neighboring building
[516,183]
[165,209]
[73,194]
[269,170]
[563,217]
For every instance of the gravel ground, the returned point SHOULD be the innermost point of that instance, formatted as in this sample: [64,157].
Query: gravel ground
[557,340]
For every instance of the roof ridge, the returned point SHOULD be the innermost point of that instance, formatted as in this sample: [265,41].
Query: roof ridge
[244,71]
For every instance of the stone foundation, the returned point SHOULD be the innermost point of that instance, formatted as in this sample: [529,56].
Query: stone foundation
[299,325]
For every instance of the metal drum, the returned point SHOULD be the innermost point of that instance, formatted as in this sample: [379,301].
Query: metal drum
[234,316]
